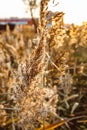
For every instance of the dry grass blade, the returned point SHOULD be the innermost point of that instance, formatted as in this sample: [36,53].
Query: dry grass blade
[52,126]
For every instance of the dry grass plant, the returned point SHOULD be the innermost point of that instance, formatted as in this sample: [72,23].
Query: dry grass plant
[36,83]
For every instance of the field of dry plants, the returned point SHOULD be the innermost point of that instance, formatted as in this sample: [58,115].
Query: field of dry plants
[43,76]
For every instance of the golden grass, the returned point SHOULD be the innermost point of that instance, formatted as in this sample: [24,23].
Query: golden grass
[35,70]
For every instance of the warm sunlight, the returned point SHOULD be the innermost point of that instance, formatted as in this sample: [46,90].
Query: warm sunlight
[75,10]
[43,64]
[11,8]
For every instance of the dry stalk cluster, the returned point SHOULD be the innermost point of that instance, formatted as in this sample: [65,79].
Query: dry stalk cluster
[34,96]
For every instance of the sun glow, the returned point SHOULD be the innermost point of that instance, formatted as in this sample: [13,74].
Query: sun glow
[11,8]
[75,10]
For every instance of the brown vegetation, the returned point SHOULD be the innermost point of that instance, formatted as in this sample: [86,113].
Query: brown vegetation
[43,76]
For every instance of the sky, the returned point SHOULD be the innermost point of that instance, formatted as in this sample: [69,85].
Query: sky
[75,10]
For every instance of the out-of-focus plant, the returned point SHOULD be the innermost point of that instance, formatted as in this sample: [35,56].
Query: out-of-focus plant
[32,6]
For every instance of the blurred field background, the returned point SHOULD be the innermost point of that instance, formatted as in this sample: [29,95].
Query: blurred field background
[43,75]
